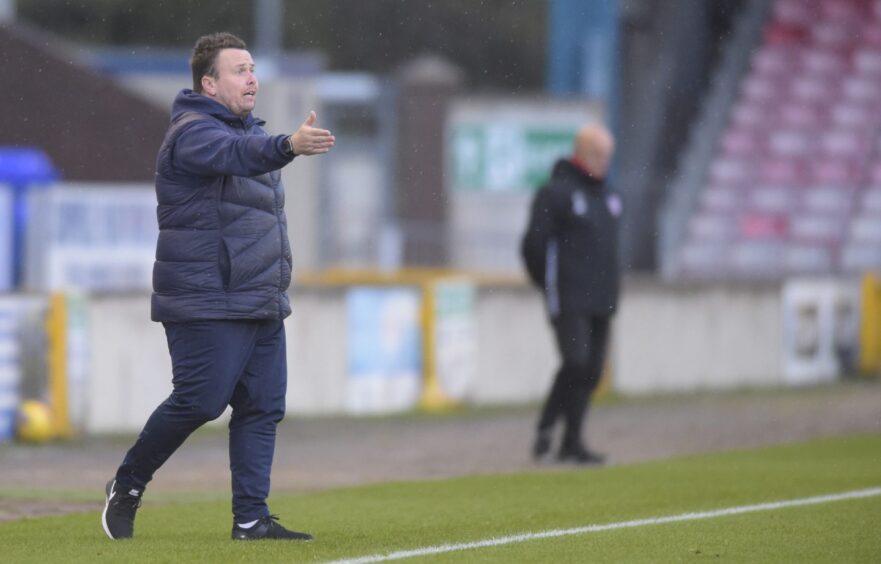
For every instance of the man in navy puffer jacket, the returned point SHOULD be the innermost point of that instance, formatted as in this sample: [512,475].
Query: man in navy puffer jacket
[223,266]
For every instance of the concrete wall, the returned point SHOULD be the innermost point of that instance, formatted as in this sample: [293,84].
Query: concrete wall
[666,338]
[131,372]
[697,337]
[516,355]
[130,368]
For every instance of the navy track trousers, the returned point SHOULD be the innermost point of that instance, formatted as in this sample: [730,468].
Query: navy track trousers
[215,364]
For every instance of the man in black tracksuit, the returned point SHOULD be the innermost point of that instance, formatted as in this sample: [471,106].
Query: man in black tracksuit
[570,251]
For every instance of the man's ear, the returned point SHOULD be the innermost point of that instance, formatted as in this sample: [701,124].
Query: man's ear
[208,85]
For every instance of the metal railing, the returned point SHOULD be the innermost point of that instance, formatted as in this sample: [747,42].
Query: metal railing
[684,190]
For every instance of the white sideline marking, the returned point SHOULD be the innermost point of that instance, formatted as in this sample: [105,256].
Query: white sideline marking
[443,548]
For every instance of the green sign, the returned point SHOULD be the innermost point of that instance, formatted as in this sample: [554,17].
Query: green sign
[505,156]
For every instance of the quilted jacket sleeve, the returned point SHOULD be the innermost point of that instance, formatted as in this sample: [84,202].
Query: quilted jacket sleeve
[208,148]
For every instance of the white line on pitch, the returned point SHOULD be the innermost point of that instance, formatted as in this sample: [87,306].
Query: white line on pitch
[443,548]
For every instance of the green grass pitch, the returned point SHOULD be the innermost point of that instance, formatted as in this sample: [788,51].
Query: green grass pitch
[379,519]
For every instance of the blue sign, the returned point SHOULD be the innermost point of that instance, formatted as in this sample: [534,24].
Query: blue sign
[23,168]
[385,349]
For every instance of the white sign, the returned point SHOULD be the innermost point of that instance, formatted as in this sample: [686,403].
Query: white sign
[455,334]
[502,145]
[820,329]
[91,237]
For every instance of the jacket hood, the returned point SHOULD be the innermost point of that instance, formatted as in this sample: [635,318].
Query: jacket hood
[566,169]
[189,101]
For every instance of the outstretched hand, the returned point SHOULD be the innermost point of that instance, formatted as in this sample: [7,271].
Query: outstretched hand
[310,140]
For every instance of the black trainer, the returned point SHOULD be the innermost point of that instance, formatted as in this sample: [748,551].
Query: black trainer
[580,455]
[118,517]
[542,445]
[267,528]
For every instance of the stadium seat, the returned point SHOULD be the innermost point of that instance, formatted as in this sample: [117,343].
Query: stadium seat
[780,33]
[866,229]
[816,228]
[831,200]
[702,259]
[708,226]
[867,62]
[807,259]
[772,199]
[757,259]
[813,89]
[861,89]
[732,171]
[792,142]
[763,90]
[824,63]
[844,142]
[871,35]
[875,173]
[871,201]
[802,116]
[749,114]
[742,142]
[843,11]
[846,114]
[858,258]
[774,62]
[782,170]
[837,35]
[721,200]
[839,170]
[794,12]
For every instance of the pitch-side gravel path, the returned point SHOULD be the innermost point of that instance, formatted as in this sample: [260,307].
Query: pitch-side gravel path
[320,453]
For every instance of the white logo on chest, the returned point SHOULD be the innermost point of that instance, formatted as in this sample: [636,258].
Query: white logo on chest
[579,203]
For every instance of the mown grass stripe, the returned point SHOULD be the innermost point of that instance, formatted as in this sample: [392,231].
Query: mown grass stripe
[694,516]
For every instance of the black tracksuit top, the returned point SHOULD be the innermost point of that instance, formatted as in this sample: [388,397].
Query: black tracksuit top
[570,248]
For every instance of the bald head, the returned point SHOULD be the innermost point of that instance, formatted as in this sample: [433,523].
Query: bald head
[594,147]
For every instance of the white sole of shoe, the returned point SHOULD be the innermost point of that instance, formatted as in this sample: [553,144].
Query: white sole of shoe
[107,497]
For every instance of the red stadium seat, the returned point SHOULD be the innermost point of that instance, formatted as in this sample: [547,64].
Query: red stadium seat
[755,225]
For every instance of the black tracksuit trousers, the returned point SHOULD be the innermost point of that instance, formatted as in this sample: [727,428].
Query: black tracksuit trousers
[582,340]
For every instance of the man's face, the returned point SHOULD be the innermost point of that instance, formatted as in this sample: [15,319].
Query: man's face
[236,85]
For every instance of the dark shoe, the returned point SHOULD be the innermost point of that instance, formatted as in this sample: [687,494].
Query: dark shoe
[580,455]
[118,518]
[267,528]
[542,445]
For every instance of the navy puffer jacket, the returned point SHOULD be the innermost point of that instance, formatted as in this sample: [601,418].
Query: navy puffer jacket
[223,250]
